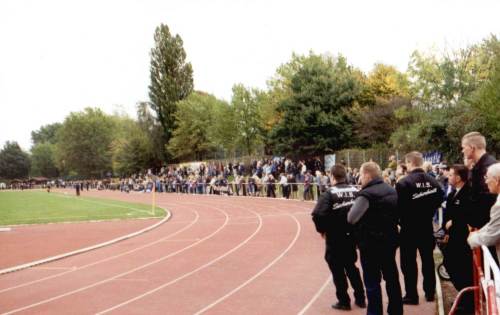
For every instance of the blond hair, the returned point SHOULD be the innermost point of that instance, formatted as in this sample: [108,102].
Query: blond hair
[475,139]
[416,158]
[371,168]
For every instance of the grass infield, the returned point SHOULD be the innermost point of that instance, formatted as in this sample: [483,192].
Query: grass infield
[33,207]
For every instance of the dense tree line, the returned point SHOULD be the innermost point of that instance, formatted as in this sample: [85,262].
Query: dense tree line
[313,104]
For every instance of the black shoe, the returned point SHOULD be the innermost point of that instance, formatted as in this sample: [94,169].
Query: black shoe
[360,303]
[410,301]
[341,306]
[429,298]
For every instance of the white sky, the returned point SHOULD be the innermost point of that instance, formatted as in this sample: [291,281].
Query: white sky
[61,56]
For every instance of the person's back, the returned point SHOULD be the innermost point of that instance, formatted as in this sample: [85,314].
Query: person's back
[375,220]
[419,196]
[330,219]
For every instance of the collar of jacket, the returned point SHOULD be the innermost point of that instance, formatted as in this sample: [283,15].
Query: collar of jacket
[373,182]
[417,170]
[481,161]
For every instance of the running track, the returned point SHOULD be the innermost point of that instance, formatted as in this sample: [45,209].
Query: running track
[216,255]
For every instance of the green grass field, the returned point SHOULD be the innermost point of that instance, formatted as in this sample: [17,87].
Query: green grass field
[30,207]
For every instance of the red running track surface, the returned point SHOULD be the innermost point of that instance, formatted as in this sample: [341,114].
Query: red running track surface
[216,255]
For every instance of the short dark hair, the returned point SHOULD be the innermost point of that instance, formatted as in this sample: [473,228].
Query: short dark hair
[462,171]
[338,172]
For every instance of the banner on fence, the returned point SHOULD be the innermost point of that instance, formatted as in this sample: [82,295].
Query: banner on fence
[329,161]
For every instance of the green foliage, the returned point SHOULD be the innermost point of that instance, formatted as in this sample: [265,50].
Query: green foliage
[84,143]
[196,122]
[14,162]
[171,78]
[46,133]
[314,118]
[43,160]
[248,132]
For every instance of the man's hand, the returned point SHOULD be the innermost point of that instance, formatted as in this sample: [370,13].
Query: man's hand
[449,224]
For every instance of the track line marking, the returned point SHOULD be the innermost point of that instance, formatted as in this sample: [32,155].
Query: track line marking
[106,259]
[123,273]
[54,268]
[316,296]
[274,261]
[86,249]
[189,273]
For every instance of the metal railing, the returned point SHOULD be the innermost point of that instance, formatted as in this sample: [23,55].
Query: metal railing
[486,284]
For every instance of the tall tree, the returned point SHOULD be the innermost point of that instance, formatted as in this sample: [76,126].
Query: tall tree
[150,125]
[193,138]
[84,143]
[14,162]
[46,133]
[314,119]
[171,78]
[247,117]
[43,160]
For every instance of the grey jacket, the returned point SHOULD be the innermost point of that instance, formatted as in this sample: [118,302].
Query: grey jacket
[489,235]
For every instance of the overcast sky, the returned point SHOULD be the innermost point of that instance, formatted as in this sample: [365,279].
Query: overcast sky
[62,56]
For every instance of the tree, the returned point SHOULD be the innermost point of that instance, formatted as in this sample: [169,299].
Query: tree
[133,152]
[314,118]
[43,160]
[14,162]
[150,125]
[386,81]
[247,117]
[84,143]
[171,78]
[444,80]
[46,133]
[375,124]
[195,119]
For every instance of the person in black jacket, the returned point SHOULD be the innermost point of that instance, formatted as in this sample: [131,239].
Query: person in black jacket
[419,196]
[457,254]
[330,218]
[374,214]
[474,149]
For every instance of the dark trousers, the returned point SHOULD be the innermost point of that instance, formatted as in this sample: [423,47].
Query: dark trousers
[410,243]
[341,257]
[379,261]
[458,263]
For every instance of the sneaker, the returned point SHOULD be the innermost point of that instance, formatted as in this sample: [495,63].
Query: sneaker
[341,306]
[410,300]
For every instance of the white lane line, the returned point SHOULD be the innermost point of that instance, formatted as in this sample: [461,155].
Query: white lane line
[124,273]
[297,234]
[189,273]
[85,249]
[107,258]
[316,296]
[55,268]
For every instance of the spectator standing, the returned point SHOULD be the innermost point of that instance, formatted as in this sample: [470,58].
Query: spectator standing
[489,235]
[419,196]
[374,214]
[457,254]
[330,219]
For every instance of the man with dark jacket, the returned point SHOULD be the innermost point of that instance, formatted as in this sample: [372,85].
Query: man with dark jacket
[457,253]
[474,149]
[330,218]
[419,196]
[374,214]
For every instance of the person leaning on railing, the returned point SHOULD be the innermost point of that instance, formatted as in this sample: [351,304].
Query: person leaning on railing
[489,235]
